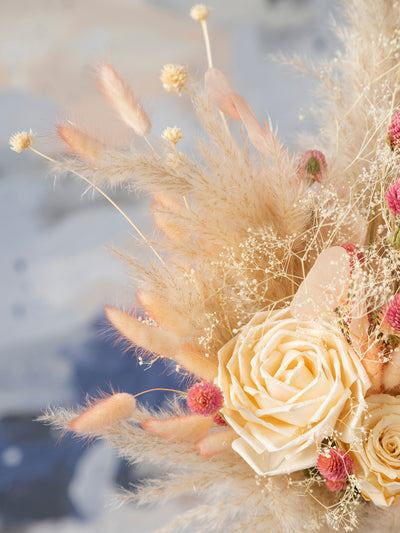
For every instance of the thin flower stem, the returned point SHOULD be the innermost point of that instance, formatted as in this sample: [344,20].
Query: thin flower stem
[105,195]
[207,42]
[151,147]
[154,390]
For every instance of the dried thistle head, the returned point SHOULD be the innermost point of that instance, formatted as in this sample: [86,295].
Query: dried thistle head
[174,77]
[200,12]
[21,141]
[172,135]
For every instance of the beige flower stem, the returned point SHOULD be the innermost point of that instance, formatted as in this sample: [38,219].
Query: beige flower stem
[154,390]
[207,42]
[151,147]
[105,195]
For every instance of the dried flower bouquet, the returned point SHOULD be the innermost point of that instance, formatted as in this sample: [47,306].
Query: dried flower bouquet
[275,288]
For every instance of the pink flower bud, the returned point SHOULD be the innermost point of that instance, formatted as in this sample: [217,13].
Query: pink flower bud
[392,197]
[220,420]
[394,132]
[391,314]
[312,165]
[205,398]
[335,464]
[355,254]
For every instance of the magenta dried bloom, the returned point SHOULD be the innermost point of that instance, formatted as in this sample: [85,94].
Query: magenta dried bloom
[335,464]
[392,197]
[220,420]
[205,398]
[312,165]
[394,131]
[335,486]
[391,314]
[355,254]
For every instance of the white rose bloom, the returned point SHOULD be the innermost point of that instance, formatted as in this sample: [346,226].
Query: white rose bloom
[287,385]
[377,451]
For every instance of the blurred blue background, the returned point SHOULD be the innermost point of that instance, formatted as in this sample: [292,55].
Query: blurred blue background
[57,268]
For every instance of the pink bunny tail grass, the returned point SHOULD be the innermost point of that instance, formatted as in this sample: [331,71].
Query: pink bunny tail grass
[205,398]
[215,442]
[123,100]
[161,342]
[236,107]
[335,464]
[163,314]
[391,315]
[392,197]
[312,165]
[186,428]
[103,413]
[81,143]
[394,132]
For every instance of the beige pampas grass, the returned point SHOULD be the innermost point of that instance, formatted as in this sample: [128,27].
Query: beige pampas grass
[123,100]
[241,228]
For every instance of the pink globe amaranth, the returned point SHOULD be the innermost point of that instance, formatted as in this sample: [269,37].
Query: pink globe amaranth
[394,132]
[312,164]
[392,197]
[205,398]
[335,464]
[391,314]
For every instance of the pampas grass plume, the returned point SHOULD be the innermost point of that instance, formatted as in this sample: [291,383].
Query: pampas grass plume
[104,413]
[123,100]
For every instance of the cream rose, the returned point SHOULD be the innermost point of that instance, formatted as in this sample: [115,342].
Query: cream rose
[287,385]
[377,450]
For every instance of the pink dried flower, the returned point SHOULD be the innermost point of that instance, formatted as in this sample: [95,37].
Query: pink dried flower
[205,398]
[336,486]
[391,314]
[312,165]
[220,420]
[355,254]
[392,197]
[394,131]
[335,464]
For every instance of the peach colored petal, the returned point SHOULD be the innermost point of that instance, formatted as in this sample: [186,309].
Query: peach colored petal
[215,442]
[325,287]
[188,428]
[220,92]
[391,373]
[103,413]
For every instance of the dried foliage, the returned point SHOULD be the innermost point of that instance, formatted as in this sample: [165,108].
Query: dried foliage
[239,231]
